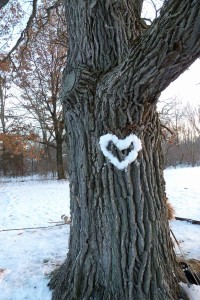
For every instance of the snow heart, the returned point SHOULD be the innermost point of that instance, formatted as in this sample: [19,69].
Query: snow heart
[121,145]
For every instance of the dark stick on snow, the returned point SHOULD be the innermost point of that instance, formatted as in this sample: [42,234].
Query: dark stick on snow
[188,220]
[32,228]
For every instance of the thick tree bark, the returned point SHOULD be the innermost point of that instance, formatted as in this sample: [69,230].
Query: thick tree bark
[119,235]
[120,246]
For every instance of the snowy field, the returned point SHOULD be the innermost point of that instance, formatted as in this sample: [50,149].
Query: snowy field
[28,256]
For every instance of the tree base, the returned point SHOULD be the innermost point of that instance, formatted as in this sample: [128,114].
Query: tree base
[66,287]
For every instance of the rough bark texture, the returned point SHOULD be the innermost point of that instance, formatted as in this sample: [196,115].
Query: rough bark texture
[120,246]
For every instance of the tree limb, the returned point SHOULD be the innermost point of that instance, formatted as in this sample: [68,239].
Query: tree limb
[168,129]
[158,56]
[47,144]
[3,3]
[24,33]
[138,6]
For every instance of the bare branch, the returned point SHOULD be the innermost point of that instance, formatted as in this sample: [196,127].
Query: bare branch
[24,32]
[168,129]
[3,3]
[48,144]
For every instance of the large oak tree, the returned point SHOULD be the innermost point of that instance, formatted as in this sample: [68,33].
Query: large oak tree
[120,245]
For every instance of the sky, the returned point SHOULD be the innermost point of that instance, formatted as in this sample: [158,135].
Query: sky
[187,87]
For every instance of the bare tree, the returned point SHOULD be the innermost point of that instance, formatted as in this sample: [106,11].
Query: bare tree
[17,142]
[180,131]
[172,118]
[193,133]
[193,114]
[2,104]
[2,119]
[39,78]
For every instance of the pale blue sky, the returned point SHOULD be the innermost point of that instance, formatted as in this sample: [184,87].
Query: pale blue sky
[187,87]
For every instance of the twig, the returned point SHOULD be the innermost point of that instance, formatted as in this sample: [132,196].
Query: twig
[168,129]
[3,3]
[24,32]
[188,220]
[32,228]
[58,222]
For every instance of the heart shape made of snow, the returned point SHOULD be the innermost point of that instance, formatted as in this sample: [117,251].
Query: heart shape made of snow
[121,145]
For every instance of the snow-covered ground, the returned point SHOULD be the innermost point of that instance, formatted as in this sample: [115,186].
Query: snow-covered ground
[28,256]
[183,191]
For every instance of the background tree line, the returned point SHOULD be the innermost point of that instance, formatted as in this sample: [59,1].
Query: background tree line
[32,136]
[181,132]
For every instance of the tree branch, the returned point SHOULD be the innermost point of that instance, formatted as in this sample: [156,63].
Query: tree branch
[169,46]
[47,144]
[168,129]
[3,3]
[24,33]
[138,6]
[158,56]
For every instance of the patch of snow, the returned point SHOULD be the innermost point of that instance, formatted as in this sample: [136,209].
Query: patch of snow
[34,177]
[121,145]
[28,256]
[29,204]
[183,191]
[193,291]
[188,236]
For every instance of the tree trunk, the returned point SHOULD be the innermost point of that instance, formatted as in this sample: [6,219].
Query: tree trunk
[4,160]
[3,123]
[59,160]
[120,246]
